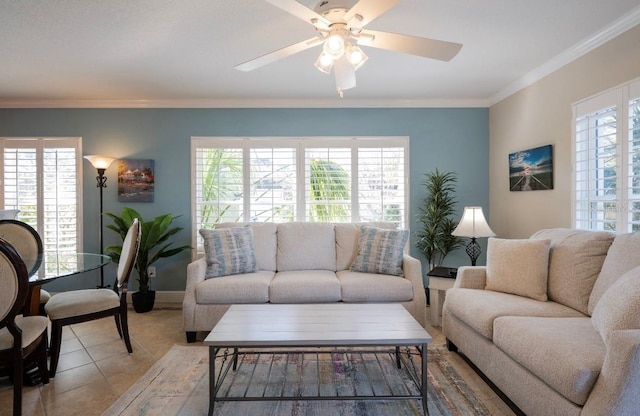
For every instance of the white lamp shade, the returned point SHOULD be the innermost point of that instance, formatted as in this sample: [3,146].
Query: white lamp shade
[473,224]
[100,162]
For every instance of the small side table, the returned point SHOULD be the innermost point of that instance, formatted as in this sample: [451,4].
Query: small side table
[440,279]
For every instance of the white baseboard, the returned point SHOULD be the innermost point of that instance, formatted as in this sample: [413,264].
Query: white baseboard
[165,296]
[170,296]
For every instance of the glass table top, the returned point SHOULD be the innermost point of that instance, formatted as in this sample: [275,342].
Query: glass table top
[55,265]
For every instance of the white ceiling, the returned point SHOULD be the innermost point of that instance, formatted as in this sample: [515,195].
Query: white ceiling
[182,52]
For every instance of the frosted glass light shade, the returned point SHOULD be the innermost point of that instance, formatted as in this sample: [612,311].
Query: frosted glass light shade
[100,162]
[473,224]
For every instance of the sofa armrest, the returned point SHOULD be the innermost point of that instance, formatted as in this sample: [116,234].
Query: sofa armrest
[471,277]
[412,270]
[617,387]
[195,274]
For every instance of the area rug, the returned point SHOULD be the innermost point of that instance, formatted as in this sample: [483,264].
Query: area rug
[178,384]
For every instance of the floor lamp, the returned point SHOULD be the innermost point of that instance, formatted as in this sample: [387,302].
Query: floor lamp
[473,225]
[101,163]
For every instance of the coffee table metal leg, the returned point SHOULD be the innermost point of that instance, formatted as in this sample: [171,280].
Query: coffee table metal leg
[398,356]
[235,359]
[425,378]
[212,378]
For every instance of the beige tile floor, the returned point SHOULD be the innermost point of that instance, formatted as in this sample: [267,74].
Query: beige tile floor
[95,368]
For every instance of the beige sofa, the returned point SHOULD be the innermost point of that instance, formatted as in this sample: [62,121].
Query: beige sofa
[299,263]
[576,353]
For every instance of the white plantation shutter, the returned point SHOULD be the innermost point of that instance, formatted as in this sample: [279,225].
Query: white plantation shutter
[40,178]
[328,179]
[382,182]
[607,161]
[596,170]
[633,163]
[272,182]
[328,184]
[218,180]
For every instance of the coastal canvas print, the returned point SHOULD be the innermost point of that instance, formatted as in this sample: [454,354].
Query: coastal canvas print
[532,169]
[136,180]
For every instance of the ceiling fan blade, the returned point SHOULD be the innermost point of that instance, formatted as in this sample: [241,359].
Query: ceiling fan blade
[279,54]
[299,11]
[428,48]
[369,10]
[345,75]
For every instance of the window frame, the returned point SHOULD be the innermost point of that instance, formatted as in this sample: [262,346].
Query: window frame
[620,98]
[300,144]
[42,143]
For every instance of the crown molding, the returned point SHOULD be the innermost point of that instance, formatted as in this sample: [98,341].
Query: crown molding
[587,45]
[249,103]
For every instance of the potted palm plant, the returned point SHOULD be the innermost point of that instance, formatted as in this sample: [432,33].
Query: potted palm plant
[154,245]
[435,239]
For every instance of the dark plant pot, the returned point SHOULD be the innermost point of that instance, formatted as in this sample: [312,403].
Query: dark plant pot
[143,302]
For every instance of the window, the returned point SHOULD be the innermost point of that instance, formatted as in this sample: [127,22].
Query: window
[40,178]
[331,179]
[607,161]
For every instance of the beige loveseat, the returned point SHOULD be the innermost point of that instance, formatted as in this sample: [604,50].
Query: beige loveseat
[575,353]
[299,263]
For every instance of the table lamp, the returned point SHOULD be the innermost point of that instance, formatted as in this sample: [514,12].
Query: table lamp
[101,163]
[473,225]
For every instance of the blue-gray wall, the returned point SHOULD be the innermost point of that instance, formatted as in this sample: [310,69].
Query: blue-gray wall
[449,139]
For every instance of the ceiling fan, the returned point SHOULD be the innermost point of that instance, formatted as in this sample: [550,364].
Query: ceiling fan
[339,23]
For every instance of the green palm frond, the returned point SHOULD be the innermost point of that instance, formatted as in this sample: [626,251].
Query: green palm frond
[435,239]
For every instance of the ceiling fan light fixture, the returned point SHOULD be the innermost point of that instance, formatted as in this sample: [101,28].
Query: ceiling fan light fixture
[355,56]
[324,63]
[334,45]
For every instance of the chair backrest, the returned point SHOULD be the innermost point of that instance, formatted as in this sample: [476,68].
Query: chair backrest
[14,282]
[25,240]
[129,253]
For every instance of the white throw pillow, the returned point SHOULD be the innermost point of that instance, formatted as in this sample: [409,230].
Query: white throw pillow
[229,251]
[520,267]
[619,306]
[306,246]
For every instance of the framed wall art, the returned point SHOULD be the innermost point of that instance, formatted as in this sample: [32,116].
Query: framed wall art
[136,180]
[531,169]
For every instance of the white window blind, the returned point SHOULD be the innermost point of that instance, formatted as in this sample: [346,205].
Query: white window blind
[607,161]
[40,178]
[330,179]
[633,163]
[382,184]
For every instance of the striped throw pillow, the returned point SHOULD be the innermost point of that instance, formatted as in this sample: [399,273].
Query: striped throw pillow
[229,251]
[380,251]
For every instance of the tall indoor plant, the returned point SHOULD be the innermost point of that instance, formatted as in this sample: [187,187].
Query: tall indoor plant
[154,245]
[435,239]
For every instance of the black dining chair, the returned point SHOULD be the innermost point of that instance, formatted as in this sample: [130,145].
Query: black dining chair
[27,242]
[77,306]
[21,337]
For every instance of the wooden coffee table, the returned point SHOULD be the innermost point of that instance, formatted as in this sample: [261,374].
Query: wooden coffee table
[304,326]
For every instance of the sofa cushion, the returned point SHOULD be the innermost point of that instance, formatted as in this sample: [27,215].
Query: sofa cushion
[366,287]
[306,246]
[519,267]
[347,237]
[566,353]
[229,251]
[619,307]
[238,288]
[264,241]
[479,308]
[380,251]
[304,286]
[575,260]
[622,257]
